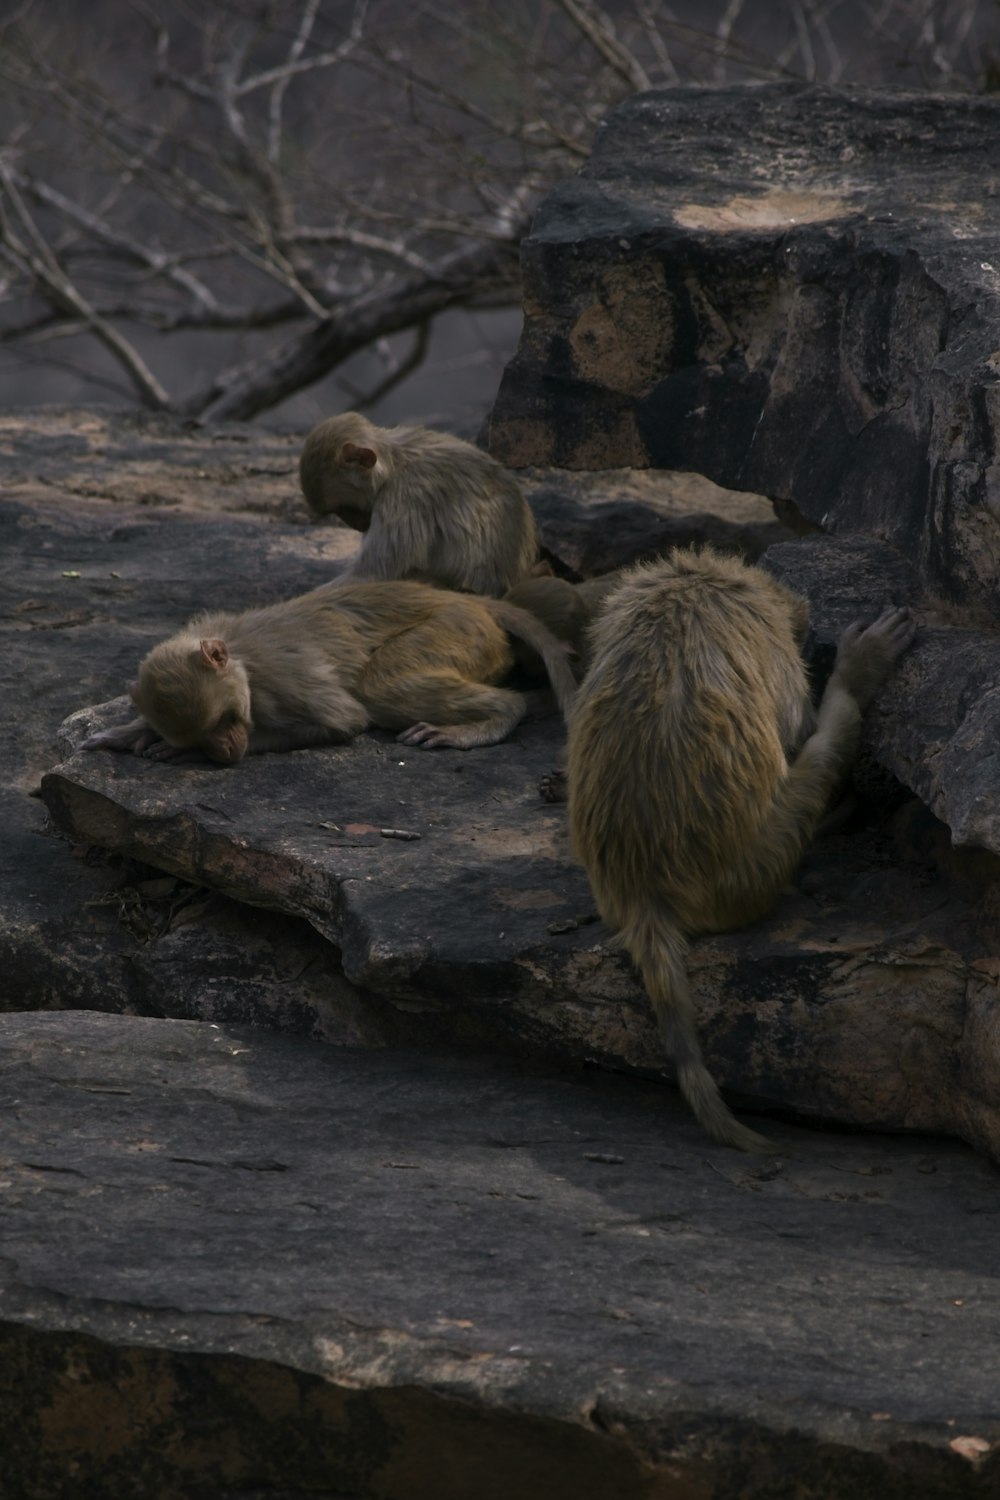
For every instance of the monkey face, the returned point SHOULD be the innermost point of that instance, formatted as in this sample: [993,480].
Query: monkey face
[196,697]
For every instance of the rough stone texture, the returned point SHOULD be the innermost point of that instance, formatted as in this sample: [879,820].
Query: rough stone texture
[594,522]
[113,529]
[796,291]
[241,1264]
[869,998]
[935,723]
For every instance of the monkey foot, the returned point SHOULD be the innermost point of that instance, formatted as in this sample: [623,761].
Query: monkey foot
[434,737]
[553,787]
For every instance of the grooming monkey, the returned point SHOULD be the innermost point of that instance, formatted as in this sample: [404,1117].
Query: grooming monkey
[698,769]
[320,668]
[567,609]
[432,507]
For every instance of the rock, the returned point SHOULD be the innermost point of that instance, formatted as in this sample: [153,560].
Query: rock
[486,924]
[796,291]
[244,1264]
[868,998]
[594,522]
[792,290]
[936,723]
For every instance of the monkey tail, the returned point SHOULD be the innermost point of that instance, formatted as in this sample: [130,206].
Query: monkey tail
[658,950]
[528,628]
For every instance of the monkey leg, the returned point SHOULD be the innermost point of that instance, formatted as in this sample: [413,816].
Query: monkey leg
[444,710]
[554,786]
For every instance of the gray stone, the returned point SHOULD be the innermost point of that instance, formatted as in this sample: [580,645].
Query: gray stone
[936,723]
[869,997]
[486,921]
[243,1264]
[791,289]
[796,291]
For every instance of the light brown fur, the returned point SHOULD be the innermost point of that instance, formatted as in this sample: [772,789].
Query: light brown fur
[567,609]
[432,507]
[320,668]
[698,771]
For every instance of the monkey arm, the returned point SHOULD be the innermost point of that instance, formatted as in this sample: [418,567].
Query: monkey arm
[326,728]
[136,736]
[389,552]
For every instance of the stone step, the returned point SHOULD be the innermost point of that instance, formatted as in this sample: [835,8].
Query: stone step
[238,1263]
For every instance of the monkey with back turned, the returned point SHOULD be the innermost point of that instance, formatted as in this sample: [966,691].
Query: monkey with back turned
[320,668]
[431,506]
[698,769]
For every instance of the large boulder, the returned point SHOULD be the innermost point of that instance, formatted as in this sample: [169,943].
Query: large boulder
[267,893]
[796,291]
[793,290]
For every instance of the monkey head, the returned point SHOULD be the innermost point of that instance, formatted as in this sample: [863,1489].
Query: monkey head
[342,467]
[197,697]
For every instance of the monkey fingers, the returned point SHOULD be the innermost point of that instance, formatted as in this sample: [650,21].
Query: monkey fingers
[136,737]
[554,787]
[161,750]
[867,653]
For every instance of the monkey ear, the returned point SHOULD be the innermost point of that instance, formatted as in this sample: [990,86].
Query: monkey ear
[133,690]
[362,458]
[214,654]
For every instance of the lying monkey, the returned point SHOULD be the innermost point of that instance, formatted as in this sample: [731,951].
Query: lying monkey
[431,506]
[320,668]
[698,769]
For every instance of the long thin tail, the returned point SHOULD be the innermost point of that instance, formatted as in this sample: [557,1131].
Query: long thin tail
[658,950]
[528,628]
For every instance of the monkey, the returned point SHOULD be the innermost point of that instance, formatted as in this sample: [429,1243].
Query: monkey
[567,609]
[431,506]
[320,668]
[698,769]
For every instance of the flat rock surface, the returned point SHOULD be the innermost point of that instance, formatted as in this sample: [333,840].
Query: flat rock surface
[869,998]
[486,917]
[238,1263]
[114,529]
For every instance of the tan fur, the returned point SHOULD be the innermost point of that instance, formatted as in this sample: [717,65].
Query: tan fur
[432,507]
[567,609]
[320,668]
[698,771]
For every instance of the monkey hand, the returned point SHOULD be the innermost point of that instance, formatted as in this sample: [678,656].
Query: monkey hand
[554,787]
[162,750]
[866,654]
[136,737]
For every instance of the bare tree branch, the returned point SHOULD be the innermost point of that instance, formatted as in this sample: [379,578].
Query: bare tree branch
[324,174]
[597,26]
[243,392]
[36,258]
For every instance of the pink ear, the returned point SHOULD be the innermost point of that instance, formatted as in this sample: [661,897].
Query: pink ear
[133,690]
[214,654]
[364,458]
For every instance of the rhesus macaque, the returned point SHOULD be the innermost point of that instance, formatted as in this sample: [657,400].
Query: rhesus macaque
[432,507]
[320,668]
[567,609]
[698,769]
